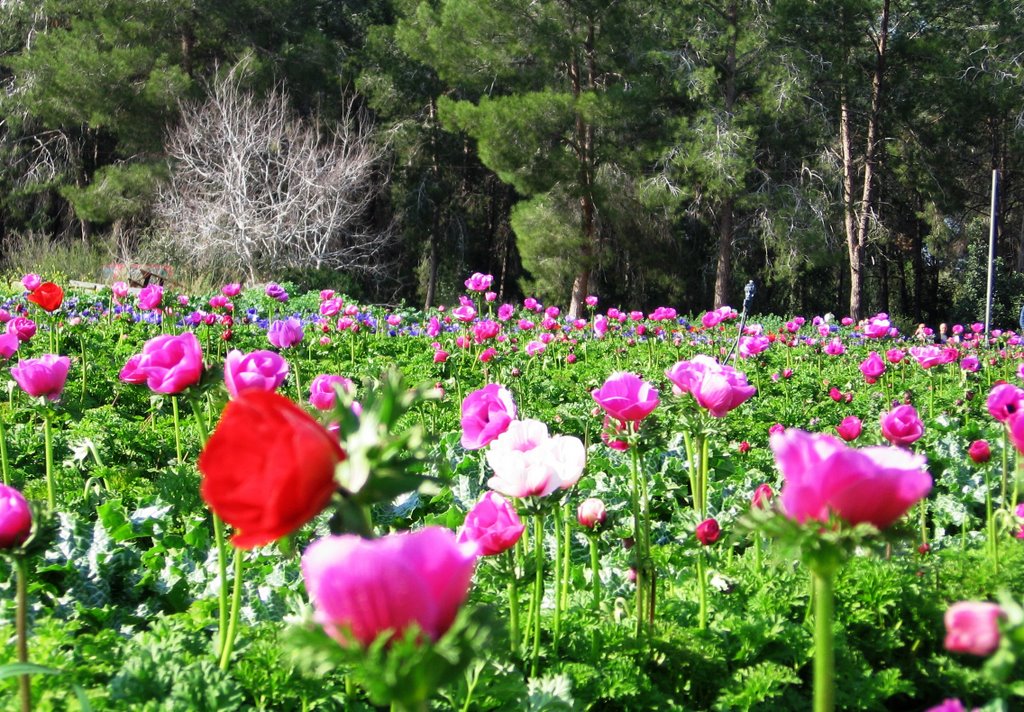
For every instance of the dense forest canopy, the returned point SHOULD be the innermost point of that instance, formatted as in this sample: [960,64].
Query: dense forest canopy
[839,153]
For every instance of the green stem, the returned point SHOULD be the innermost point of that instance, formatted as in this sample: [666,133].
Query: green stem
[641,576]
[557,623]
[992,545]
[177,428]
[702,590]
[4,464]
[51,498]
[298,384]
[513,600]
[566,560]
[824,646]
[538,588]
[704,477]
[21,624]
[1006,464]
[595,573]
[85,369]
[236,602]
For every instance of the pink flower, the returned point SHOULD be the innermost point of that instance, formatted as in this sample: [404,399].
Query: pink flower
[23,327]
[894,356]
[979,452]
[973,627]
[150,297]
[505,312]
[485,330]
[31,282]
[591,513]
[1004,400]
[487,354]
[878,326]
[751,346]
[875,485]
[9,344]
[613,434]
[42,377]
[763,496]
[719,388]
[120,289]
[835,347]
[258,370]
[872,367]
[970,364]
[440,356]
[527,462]
[330,307]
[902,425]
[708,532]
[286,333]
[362,588]
[591,301]
[479,282]
[130,372]
[492,525]
[231,289]
[464,313]
[849,429]
[1015,429]
[950,705]
[15,518]
[626,397]
[486,414]
[322,394]
[535,347]
[170,363]
[928,356]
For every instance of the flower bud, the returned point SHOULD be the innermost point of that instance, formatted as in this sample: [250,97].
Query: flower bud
[591,513]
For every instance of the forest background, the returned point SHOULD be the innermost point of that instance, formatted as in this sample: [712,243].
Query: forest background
[839,152]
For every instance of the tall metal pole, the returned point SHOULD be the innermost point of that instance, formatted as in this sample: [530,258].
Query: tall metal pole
[992,232]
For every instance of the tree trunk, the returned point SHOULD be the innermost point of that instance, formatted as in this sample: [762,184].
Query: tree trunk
[585,156]
[435,222]
[861,214]
[726,217]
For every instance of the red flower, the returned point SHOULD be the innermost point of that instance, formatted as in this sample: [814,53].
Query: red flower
[268,468]
[708,532]
[47,295]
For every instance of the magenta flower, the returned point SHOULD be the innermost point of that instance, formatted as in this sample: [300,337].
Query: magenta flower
[626,397]
[9,343]
[950,705]
[708,532]
[762,497]
[258,370]
[362,588]
[875,485]
[591,513]
[479,282]
[835,347]
[849,429]
[527,462]
[486,414]
[150,297]
[42,377]
[15,518]
[170,363]
[464,313]
[872,367]
[232,289]
[285,333]
[322,395]
[492,525]
[1004,400]
[973,627]
[979,452]
[22,327]
[751,346]
[894,356]
[719,388]
[31,282]
[130,372]
[928,356]
[878,326]
[120,289]
[902,425]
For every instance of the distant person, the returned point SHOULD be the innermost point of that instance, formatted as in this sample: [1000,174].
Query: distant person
[943,333]
[922,333]
[1021,319]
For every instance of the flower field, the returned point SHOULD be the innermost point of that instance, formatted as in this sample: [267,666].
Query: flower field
[275,501]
